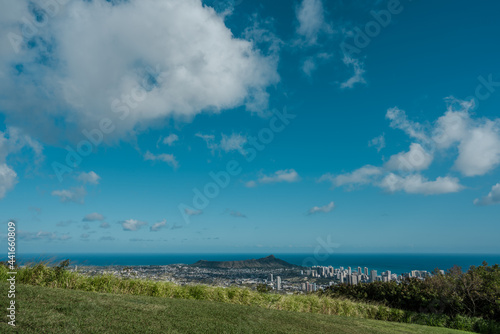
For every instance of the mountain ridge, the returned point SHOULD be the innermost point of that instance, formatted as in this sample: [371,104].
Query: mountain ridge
[266,262]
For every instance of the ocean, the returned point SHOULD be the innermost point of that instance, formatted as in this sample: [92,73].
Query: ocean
[396,263]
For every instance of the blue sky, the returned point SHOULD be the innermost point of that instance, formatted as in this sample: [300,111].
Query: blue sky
[373,125]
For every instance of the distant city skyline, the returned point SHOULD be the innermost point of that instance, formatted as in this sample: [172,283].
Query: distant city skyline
[251,127]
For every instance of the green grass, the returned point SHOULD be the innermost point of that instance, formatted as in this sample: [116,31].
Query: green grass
[55,310]
[53,277]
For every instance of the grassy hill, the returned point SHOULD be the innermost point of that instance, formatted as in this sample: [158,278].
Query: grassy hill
[54,310]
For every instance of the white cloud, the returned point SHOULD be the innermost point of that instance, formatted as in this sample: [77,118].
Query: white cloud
[8,179]
[132,224]
[493,197]
[357,77]
[286,175]
[90,177]
[228,143]
[364,175]
[311,63]
[479,151]
[92,217]
[251,184]
[450,128]
[95,52]
[168,158]
[234,142]
[400,121]
[309,66]
[322,209]
[417,184]
[158,226]
[311,17]
[478,140]
[414,160]
[380,177]
[13,141]
[170,139]
[378,142]
[76,195]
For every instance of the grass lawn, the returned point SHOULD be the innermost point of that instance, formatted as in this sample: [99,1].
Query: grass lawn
[51,310]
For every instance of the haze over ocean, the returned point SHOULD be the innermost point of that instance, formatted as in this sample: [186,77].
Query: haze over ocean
[396,263]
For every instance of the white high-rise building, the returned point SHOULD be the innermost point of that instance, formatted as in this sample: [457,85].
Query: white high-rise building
[278,283]
[373,276]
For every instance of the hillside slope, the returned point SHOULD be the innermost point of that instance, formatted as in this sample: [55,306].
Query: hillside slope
[50,310]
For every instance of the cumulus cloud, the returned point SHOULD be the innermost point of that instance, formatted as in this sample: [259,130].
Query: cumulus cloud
[381,177]
[168,158]
[14,141]
[357,66]
[417,184]
[234,142]
[97,59]
[158,226]
[8,179]
[92,217]
[90,177]
[400,121]
[364,175]
[492,198]
[478,140]
[285,175]
[170,139]
[311,18]
[378,142]
[228,143]
[415,159]
[76,195]
[132,224]
[321,209]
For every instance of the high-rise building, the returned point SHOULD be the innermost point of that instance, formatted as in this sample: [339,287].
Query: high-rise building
[278,283]
[366,271]
[373,276]
[270,278]
[359,270]
[349,271]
